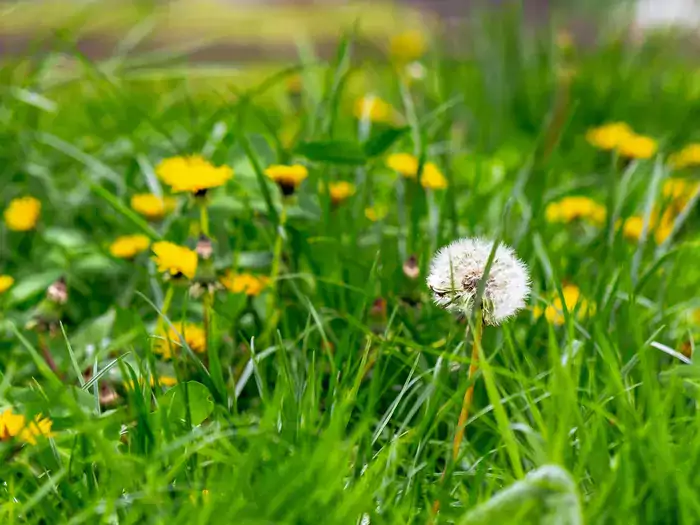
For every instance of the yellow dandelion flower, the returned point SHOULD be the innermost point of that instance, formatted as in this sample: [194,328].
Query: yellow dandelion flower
[175,260]
[408,46]
[340,191]
[679,191]
[554,313]
[6,282]
[633,227]
[637,146]
[403,163]
[245,283]
[166,381]
[169,342]
[572,208]
[432,178]
[22,214]
[374,109]
[152,206]
[128,246]
[288,178]
[608,136]
[192,174]
[687,157]
[375,213]
[15,425]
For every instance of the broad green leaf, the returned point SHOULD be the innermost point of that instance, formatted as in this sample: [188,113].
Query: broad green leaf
[200,401]
[333,151]
[382,141]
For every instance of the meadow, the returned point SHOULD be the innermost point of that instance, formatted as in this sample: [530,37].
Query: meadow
[214,304]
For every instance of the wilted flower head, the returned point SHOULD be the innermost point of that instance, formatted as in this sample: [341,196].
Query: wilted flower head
[457,268]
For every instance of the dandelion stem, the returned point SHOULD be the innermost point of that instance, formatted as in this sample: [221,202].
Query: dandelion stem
[206,303]
[164,312]
[469,394]
[204,218]
[47,355]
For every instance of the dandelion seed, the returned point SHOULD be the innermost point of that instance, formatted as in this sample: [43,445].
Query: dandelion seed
[192,174]
[22,214]
[288,178]
[175,260]
[245,283]
[151,206]
[457,268]
[129,246]
[6,282]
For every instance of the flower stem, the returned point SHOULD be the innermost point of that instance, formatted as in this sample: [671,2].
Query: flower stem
[469,394]
[164,312]
[204,218]
[47,355]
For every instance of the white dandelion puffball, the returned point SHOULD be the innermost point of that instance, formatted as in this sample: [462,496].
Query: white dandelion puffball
[457,268]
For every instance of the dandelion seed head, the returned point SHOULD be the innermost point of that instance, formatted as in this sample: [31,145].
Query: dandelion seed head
[457,268]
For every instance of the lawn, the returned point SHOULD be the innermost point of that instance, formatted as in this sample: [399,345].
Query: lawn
[219,301]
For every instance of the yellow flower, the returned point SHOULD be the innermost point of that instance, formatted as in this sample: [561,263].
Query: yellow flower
[22,214]
[246,283]
[687,157]
[407,46]
[375,109]
[152,206]
[432,178]
[633,226]
[6,282]
[569,209]
[166,381]
[403,163]
[128,246]
[608,136]
[554,313]
[288,178]
[564,40]
[637,146]
[340,191]
[175,260]
[679,192]
[375,213]
[192,174]
[193,335]
[15,425]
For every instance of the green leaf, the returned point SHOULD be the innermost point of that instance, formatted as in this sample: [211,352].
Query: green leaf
[175,403]
[67,238]
[379,143]
[93,332]
[333,151]
[31,286]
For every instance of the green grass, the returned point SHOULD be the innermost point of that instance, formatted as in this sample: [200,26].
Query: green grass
[311,407]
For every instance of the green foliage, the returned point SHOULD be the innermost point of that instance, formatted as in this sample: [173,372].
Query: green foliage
[332,396]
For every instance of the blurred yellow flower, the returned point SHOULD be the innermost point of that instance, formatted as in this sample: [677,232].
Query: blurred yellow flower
[554,313]
[679,191]
[22,214]
[294,84]
[246,283]
[152,206]
[608,136]
[633,226]
[16,425]
[175,260]
[564,40]
[288,178]
[407,46]
[128,246]
[687,157]
[374,109]
[166,381]
[194,336]
[192,174]
[375,213]
[572,208]
[403,163]
[6,282]
[637,146]
[432,178]
[340,191]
